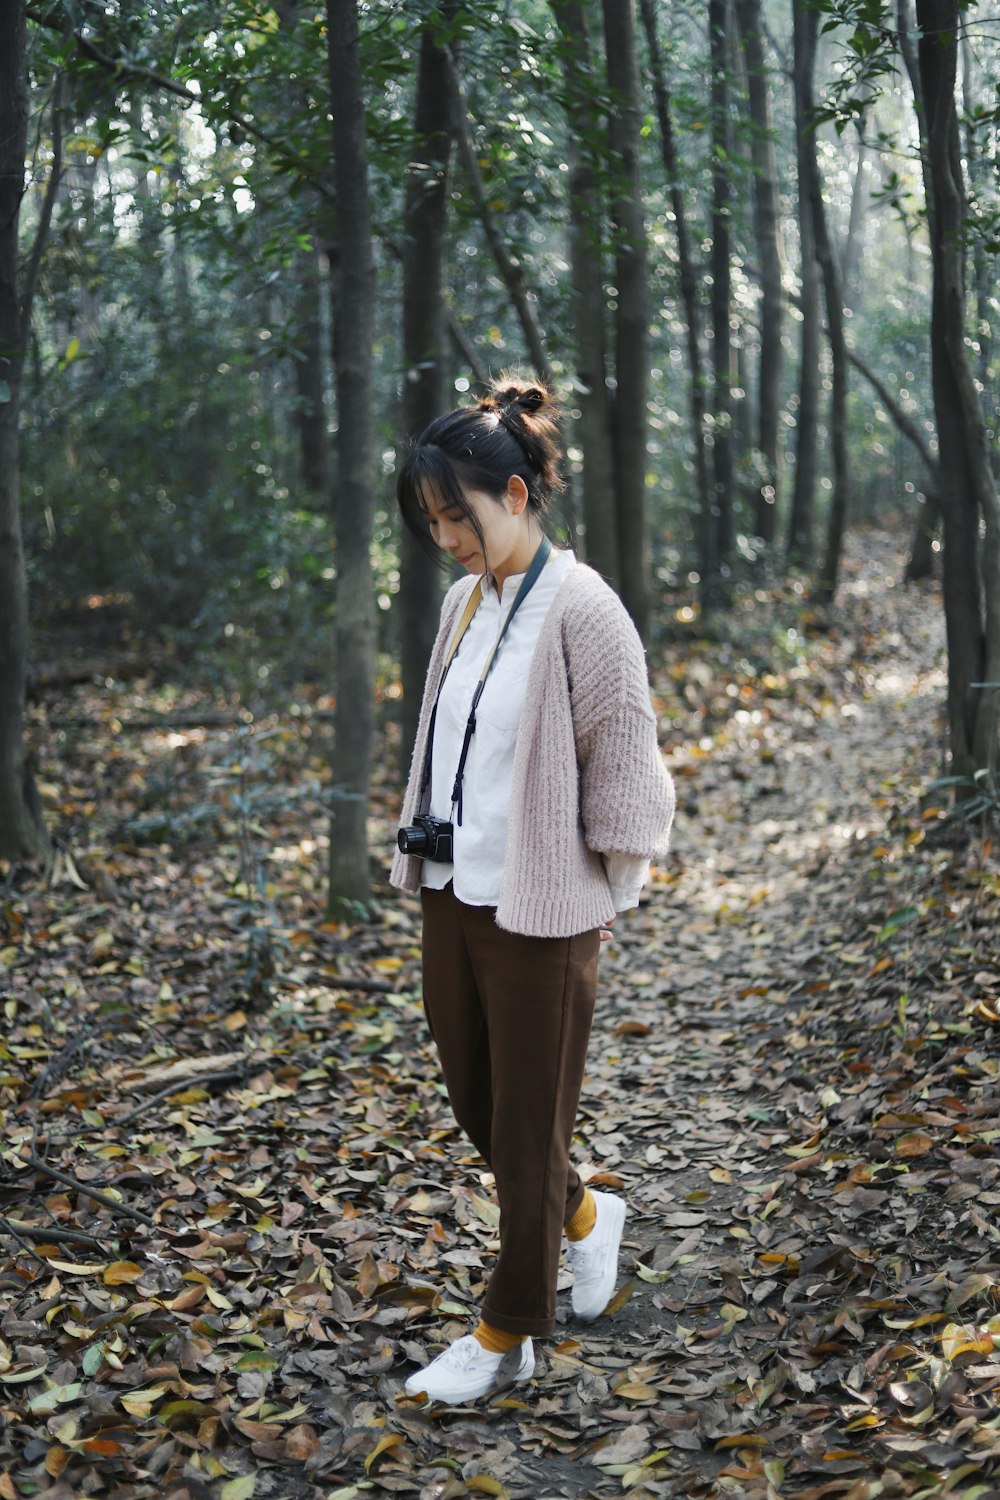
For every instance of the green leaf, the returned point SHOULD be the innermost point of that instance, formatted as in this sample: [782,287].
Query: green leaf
[239,1489]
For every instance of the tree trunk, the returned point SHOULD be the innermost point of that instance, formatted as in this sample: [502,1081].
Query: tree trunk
[969,496]
[807,19]
[715,589]
[851,292]
[307,358]
[586,229]
[772,305]
[688,276]
[800,524]
[425,339]
[632,314]
[22,836]
[354,316]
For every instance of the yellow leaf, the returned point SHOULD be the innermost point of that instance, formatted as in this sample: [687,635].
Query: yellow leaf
[384,1444]
[619,1300]
[914,1143]
[121,1272]
[636,1390]
[75,1268]
[485,1484]
[239,1489]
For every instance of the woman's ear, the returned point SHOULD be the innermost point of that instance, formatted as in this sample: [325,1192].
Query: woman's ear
[517,494]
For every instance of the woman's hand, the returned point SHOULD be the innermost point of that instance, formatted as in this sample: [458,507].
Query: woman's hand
[605,932]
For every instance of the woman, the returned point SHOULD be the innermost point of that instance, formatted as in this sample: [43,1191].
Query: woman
[536,799]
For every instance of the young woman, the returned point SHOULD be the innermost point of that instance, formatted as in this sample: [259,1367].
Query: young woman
[536,799]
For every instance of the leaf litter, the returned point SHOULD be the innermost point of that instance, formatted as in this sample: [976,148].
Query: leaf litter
[234,1204]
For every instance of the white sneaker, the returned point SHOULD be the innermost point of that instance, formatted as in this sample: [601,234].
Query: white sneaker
[594,1259]
[466,1371]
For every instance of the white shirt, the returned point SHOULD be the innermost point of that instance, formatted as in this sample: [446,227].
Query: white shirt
[481,838]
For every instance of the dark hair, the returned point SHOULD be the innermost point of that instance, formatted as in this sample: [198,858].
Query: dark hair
[512,430]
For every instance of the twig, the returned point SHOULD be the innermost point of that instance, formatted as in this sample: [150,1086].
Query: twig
[48,1234]
[88,1192]
[229,1075]
[10,1229]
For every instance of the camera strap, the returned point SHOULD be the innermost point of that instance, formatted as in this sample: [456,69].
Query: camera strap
[528,582]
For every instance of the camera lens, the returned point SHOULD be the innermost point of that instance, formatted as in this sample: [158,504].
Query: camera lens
[412,840]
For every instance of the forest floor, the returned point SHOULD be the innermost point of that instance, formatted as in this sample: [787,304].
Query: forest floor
[236,1210]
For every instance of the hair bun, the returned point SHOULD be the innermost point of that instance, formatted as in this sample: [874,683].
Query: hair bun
[510,396]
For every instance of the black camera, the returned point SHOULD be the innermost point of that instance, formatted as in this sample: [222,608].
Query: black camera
[428,838]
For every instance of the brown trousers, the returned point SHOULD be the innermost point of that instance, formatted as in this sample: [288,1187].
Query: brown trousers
[511,1017]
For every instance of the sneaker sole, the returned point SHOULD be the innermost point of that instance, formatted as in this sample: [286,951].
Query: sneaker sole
[456,1397]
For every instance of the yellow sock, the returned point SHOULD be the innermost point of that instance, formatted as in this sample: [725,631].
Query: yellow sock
[495,1339]
[584,1219]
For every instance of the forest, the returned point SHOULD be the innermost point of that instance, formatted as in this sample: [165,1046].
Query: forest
[248,250]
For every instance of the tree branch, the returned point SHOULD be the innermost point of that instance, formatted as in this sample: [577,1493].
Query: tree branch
[48,206]
[120,69]
[906,424]
[505,262]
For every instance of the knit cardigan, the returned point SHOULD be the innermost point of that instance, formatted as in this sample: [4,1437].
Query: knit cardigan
[589,778]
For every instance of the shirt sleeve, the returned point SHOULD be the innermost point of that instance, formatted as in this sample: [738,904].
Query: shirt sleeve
[627,874]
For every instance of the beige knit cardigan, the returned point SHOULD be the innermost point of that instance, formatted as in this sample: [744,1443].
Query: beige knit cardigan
[589,778]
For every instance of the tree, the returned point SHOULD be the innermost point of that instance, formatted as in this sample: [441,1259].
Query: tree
[807,28]
[705,530]
[715,590]
[772,301]
[969,496]
[632,312]
[801,517]
[587,145]
[354,316]
[425,383]
[22,835]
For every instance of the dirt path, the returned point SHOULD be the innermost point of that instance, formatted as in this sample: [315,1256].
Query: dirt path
[793,1082]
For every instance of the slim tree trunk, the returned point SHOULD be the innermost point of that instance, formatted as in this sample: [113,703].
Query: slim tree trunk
[969,499]
[632,314]
[587,145]
[22,836]
[715,589]
[808,17]
[425,340]
[772,305]
[354,316]
[801,519]
[688,276]
[307,358]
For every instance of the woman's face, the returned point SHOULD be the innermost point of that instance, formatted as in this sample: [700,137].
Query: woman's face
[504,525]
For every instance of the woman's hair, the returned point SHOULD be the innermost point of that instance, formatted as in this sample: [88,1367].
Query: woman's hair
[512,430]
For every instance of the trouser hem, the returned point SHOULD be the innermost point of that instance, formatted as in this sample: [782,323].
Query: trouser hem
[538,1328]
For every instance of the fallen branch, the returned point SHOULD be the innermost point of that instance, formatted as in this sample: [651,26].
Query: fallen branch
[227,1075]
[89,1192]
[48,1234]
[177,1075]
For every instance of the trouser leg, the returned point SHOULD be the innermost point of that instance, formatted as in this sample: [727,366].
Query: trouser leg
[527,1029]
[456,1017]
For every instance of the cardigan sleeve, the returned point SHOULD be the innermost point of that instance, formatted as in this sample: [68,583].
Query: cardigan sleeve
[626,792]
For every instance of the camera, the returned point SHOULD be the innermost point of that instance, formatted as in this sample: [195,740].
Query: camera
[428,838]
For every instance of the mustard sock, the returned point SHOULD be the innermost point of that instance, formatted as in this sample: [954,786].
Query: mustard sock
[584,1219]
[495,1339]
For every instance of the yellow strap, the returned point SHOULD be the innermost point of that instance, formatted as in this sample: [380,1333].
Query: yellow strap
[471,605]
